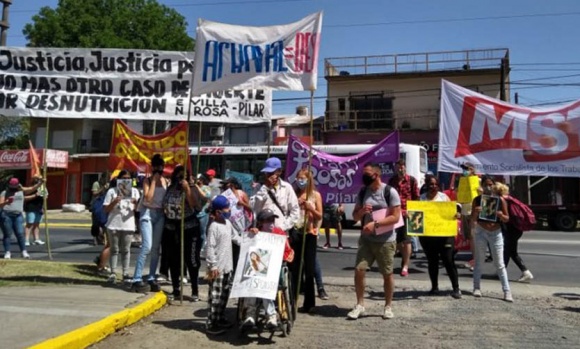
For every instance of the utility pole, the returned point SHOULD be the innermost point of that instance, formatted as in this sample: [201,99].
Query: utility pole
[4,25]
[502,76]
[516,98]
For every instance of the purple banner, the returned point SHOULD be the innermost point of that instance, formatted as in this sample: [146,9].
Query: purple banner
[338,178]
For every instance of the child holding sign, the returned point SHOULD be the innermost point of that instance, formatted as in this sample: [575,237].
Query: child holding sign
[266,219]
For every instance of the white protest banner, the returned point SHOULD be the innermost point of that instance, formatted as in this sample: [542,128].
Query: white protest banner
[110,83]
[281,57]
[237,218]
[507,139]
[258,270]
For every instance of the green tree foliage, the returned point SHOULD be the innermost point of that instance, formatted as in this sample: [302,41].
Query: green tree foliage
[127,24]
[13,132]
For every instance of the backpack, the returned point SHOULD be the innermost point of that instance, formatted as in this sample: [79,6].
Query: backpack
[521,216]
[99,211]
[386,194]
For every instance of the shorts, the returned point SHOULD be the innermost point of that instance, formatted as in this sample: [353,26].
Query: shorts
[331,216]
[33,217]
[402,233]
[382,252]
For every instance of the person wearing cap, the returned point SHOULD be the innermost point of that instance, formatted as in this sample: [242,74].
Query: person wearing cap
[12,204]
[277,195]
[266,223]
[213,183]
[220,266]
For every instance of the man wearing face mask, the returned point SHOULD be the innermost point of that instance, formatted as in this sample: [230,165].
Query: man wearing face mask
[375,196]
[277,195]
[406,186]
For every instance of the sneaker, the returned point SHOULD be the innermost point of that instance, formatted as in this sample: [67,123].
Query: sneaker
[39,242]
[507,296]
[223,323]
[404,272]
[456,294]
[194,297]
[388,314]
[139,287]
[26,243]
[326,246]
[25,254]
[489,259]
[477,293]
[304,310]
[215,330]
[526,276]
[154,286]
[413,255]
[434,292]
[248,323]
[104,272]
[7,255]
[127,278]
[112,278]
[323,295]
[176,294]
[185,281]
[161,278]
[340,247]
[272,323]
[357,312]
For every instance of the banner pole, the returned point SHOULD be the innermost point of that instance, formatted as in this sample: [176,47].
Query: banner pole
[44,196]
[269,137]
[198,147]
[301,268]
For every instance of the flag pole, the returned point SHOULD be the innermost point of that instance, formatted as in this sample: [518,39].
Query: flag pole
[301,268]
[45,197]
[197,161]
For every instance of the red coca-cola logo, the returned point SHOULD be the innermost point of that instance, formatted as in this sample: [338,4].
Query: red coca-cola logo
[19,156]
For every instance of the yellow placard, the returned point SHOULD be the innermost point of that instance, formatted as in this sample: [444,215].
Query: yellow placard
[467,189]
[431,218]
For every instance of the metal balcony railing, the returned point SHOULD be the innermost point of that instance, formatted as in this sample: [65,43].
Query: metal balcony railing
[416,62]
[376,119]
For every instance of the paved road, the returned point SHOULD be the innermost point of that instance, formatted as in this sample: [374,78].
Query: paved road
[551,256]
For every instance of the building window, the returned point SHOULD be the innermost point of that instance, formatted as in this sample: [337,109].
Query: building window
[372,111]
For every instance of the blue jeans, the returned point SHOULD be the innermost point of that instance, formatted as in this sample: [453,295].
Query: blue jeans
[318,275]
[203,220]
[495,241]
[151,224]
[13,223]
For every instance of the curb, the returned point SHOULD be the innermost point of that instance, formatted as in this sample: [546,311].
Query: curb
[97,331]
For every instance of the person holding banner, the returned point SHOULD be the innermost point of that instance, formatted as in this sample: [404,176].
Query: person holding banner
[308,224]
[488,231]
[466,192]
[439,247]
[374,243]
[151,221]
[171,239]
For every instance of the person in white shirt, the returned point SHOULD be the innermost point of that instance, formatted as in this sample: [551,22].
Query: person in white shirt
[120,225]
[277,195]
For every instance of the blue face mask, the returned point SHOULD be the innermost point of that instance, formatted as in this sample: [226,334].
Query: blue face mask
[302,183]
[465,173]
[226,215]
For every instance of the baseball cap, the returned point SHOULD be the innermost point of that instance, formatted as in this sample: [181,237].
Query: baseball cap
[210,172]
[266,214]
[220,202]
[14,183]
[467,166]
[272,164]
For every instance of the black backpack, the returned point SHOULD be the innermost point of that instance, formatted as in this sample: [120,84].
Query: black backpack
[386,194]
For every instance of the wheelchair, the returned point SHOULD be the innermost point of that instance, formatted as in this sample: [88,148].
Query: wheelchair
[284,304]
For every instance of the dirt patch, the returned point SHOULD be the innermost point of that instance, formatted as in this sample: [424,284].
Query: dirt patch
[533,321]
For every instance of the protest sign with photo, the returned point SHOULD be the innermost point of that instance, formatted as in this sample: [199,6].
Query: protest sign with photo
[431,218]
[238,217]
[258,271]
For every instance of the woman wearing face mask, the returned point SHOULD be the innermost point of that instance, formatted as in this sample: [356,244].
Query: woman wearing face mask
[489,232]
[172,231]
[439,247]
[151,223]
[310,202]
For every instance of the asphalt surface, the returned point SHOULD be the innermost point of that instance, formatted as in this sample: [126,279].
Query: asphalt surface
[551,256]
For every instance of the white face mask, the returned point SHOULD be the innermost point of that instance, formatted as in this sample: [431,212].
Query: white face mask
[267,227]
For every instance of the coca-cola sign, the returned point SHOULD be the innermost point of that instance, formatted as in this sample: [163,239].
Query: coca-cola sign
[14,159]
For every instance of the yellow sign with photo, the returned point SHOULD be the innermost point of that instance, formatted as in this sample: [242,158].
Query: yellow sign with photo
[431,218]
[467,189]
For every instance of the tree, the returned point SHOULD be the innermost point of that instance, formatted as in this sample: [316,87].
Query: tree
[127,24]
[14,132]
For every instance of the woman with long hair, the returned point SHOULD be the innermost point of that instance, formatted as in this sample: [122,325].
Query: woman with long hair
[310,202]
[488,231]
[439,247]
[174,214]
[511,236]
[151,222]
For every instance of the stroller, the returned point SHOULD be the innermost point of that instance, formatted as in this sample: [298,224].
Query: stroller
[285,309]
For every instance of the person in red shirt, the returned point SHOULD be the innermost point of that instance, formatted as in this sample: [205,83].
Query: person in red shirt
[406,186]
[265,223]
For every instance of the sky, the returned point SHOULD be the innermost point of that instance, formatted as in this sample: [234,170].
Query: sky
[542,35]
